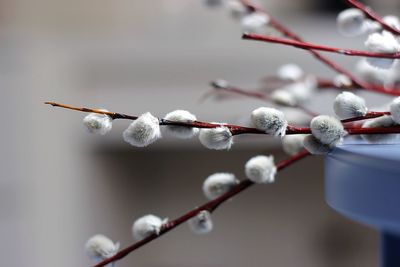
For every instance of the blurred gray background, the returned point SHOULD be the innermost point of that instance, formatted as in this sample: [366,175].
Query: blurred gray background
[60,185]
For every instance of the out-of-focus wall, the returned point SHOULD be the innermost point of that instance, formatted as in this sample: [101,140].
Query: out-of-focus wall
[60,185]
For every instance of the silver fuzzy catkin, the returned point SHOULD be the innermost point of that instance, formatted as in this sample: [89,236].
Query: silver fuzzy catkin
[201,223]
[146,226]
[384,121]
[283,98]
[392,21]
[382,42]
[254,22]
[328,130]
[216,138]
[290,72]
[351,22]
[303,89]
[218,184]
[181,132]
[347,105]
[269,120]
[100,247]
[98,123]
[395,109]
[236,9]
[342,81]
[143,131]
[315,147]
[292,144]
[261,169]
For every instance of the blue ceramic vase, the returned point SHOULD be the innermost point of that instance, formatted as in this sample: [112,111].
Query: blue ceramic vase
[362,182]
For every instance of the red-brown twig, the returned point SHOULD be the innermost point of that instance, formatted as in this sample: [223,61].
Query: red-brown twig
[308,46]
[237,129]
[234,129]
[323,83]
[369,115]
[209,206]
[376,130]
[261,96]
[369,13]
[273,82]
[285,31]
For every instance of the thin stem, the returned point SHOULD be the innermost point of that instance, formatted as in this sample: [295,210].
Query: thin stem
[322,83]
[376,130]
[113,115]
[369,115]
[372,15]
[285,31]
[261,96]
[234,129]
[209,206]
[309,46]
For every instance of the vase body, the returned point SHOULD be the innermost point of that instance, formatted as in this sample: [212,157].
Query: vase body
[362,182]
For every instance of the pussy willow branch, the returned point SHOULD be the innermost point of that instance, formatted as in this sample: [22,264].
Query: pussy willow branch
[323,83]
[369,13]
[235,129]
[273,82]
[261,96]
[369,115]
[285,31]
[209,206]
[308,46]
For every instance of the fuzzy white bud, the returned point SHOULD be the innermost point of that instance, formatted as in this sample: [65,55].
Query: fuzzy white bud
[146,226]
[261,169]
[98,123]
[342,80]
[372,26]
[236,9]
[384,121]
[181,131]
[371,74]
[348,105]
[254,22]
[100,247]
[290,72]
[328,130]
[351,22]
[395,109]
[382,42]
[283,98]
[216,138]
[303,89]
[220,84]
[315,147]
[201,223]
[292,144]
[270,120]
[392,21]
[218,184]
[143,131]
